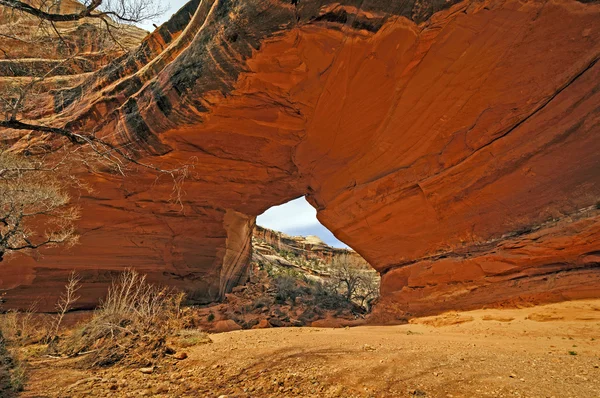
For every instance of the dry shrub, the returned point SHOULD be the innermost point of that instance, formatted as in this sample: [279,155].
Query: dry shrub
[12,370]
[131,326]
[64,304]
[17,330]
[22,328]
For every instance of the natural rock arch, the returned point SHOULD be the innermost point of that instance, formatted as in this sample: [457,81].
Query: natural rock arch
[456,151]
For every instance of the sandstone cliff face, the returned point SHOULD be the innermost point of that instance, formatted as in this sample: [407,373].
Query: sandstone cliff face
[303,247]
[454,146]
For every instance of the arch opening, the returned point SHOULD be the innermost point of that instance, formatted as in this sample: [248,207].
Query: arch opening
[298,218]
[302,258]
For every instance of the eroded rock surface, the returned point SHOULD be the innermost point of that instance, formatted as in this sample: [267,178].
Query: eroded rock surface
[454,146]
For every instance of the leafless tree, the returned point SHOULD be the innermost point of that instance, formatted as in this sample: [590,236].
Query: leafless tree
[368,290]
[128,11]
[346,273]
[35,207]
[354,278]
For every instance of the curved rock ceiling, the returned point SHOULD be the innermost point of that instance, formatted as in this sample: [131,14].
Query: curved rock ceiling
[454,146]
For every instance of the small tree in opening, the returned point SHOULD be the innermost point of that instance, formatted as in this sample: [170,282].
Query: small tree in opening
[355,279]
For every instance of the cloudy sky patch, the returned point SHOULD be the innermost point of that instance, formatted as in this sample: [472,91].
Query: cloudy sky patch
[297,217]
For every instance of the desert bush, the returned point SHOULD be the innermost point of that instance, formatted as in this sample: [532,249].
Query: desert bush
[18,376]
[130,326]
[17,329]
[327,298]
[12,371]
[323,295]
[261,302]
[288,289]
[348,283]
[23,327]
[5,365]
[288,254]
[64,304]
[275,271]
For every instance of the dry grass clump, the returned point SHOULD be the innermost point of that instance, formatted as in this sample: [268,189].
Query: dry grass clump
[130,327]
[18,327]
[186,338]
[21,328]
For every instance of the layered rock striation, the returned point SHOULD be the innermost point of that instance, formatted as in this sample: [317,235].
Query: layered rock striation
[303,247]
[451,144]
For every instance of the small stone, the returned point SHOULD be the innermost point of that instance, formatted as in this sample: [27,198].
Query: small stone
[367,347]
[513,376]
[148,370]
[180,356]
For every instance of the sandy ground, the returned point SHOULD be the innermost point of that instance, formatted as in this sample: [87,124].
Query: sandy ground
[547,351]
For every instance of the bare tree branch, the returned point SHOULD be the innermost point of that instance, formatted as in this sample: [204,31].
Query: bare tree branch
[24,7]
[130,11]
[35,208]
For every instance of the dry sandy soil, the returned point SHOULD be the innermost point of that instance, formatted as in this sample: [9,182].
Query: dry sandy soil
[546,351]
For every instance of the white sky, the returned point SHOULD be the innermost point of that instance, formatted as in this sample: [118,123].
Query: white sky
[171,8]
[296,217]
[295,214]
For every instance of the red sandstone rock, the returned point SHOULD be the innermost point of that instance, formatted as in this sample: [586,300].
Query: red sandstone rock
[437,146]
[180,356]
[225,326]
[262,324]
